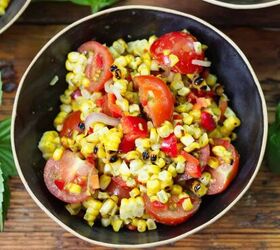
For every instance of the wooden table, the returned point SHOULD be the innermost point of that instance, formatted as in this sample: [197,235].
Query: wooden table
[254,223]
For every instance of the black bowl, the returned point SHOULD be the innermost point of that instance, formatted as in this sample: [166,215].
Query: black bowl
[14,10]
[37,103]
[244,4]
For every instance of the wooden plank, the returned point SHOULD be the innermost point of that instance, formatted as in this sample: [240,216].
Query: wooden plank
[44,13]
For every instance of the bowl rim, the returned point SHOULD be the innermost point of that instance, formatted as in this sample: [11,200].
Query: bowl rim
[22,9]
[162,242]
[243,6]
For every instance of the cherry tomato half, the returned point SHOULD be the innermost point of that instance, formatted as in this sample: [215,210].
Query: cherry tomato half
[70,169]
[71,123]
[171,213]
[156,98]
[181,45]
[169,145]
[192,168]
[98,68]
[119,188]
[134,127]
[223,175]
[109,106]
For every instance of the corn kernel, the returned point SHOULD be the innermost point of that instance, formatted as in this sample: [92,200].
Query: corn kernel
[162,196]
[176,189]
[73,208]
[184,91]
[187,119]
[221,152]
[151,225]
[172,170]
[180,167]
[192,147]
[153,187]
[117,224]
[199,188]
[178,131]
[107,207]
[213,162]
[104,181]
[187,139]
[105,222]
[141,226]
[57,154]
[187,204]
[73,188]
[205,178]
[134,192]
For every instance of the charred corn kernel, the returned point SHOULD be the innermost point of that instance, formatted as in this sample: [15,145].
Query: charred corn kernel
[203,140]
[172,170]
[231,123]
[153,187]
[195,114]
[73,208]
[104,181]
[183,91]
[49,142]
[180,167]
[199,188]
[178,131]
[211,80]
[192,147]
[107,207]
[134,192]
[213,162]
[187,139]
[134,109]
[160,162]
[187,119]
[124,170]
[205,178]
[135,166]
[105,222]
[103,195]
[187,204]
[141,226]
[165,130]
[117,224]
[73,188]
[221,152]
[162,196]
[176,189]
[151,225]
[57,154]
[132,155]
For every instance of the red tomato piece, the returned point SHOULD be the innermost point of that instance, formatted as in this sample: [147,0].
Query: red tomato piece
[69,169]
[126,145]
[181,45]
[223,175]
[119,188]
[204,155]
[156,98]
[207,121]
[100,61]
[192,168]
[71,123]
[169,145]
[109,106]
[134,127]
[171,213]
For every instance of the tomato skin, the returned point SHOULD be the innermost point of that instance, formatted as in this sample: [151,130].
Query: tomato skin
[119,188]
[109,106]
[223,175]
[160,105]
[204,155]
[162,213]
[192,168]
[100,60]
[180,44]
[69,168]
[71,123]
[207,121]
[134,127]
[126,145]
[169,145]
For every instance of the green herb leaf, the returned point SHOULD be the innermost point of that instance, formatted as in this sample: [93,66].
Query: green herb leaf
[1,91]
[6,157]
[1,200]
[273,144]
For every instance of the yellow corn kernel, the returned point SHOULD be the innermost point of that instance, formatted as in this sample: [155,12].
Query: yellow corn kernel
[195,114]
[231,122]
[213,162]
[192,147]
[176,189]
[141,226]
[153,169]
[160,162]
[143,69]
[187,139]
[57,154]
[104,181]
[134,192]
[132,155]
[120,61]
[85,82]
[199,188]
[187,204]
[178,131]
[103,195]
[203,140]
[165,130]
[153,198]
[73,188]
[117,224]
[73,208]
[115,198]
[143,176]
[107,207]
[183,195]
[154,137]
[205,178]
[172,170]
[176,85]
[187,119]
[73,57]
[173,60]
[151,225]
[154,65]
[153,187]
[162,196]
[134,109]
[105,222]
[183,91]
[180,167]
[211,80]
[221,152]
[142,143]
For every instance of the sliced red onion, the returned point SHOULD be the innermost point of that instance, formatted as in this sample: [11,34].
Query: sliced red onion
[201,63]
[100,117]
[76,94]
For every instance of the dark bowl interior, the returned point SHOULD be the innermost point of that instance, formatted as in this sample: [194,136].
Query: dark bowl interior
[38,104]
[12,10]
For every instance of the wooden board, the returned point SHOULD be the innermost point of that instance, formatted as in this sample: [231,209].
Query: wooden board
[254,223]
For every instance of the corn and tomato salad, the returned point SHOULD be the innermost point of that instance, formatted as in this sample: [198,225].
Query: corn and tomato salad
[3,6]
[144,131]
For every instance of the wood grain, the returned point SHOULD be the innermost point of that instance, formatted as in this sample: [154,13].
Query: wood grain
[254,223]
